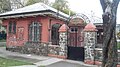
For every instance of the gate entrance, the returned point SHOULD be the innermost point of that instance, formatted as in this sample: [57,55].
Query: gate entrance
[75,48]
[76,53]
[75,39]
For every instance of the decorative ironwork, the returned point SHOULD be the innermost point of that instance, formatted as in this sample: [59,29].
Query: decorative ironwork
[55,34]
[12,27]
[34,32]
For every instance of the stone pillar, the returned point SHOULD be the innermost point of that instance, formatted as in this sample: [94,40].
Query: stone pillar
[90,40]
[63,40]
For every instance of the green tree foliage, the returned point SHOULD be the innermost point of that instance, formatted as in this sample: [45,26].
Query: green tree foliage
[8,5]
[69,12]
[29,2]
[62,5]
[118,35]
[5,6]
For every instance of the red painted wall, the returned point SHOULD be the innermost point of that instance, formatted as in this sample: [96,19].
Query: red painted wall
[22,28]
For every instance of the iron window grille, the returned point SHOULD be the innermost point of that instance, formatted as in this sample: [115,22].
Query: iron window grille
[35,32]
[55,34]
[73,29]
[12,27]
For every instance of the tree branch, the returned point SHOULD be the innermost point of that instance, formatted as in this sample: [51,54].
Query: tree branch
[20,3]
[115,4]
[103,5]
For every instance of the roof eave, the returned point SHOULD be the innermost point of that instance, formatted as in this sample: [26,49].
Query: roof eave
[27,14]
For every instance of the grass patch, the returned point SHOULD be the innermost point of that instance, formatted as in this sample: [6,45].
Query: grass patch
[10,62]
[118,45]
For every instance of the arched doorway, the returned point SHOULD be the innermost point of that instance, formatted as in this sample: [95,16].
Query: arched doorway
[75,41]
[55,34]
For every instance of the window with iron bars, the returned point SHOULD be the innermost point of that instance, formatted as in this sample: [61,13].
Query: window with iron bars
[12,27]
[35,32]
[55,34]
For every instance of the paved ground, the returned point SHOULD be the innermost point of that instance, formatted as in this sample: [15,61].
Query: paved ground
[23,57]
[39,61]
[70,63]
[26,66]
[2,44]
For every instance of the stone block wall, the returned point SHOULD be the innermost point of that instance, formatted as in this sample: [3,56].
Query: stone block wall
[35,48]
[63,43]
[61,49]
[89,45]
[38,48]
[98,54]
[54,49]
[32,48]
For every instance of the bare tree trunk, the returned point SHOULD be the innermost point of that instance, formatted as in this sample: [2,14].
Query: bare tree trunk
[110,56]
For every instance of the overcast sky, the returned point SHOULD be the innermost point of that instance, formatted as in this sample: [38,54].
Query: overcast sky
[91,7]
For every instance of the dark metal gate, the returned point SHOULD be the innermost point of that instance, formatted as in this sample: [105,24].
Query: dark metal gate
[76,53]
[75,42]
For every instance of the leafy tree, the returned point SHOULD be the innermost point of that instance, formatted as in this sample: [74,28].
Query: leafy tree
[110,55]
[69,12]
[20,3]
[62,5]
[29,2]
[5,6]
[118,35]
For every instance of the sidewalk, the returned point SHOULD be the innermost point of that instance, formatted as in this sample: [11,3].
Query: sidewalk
[23,57]
[41,60]
[2,44]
